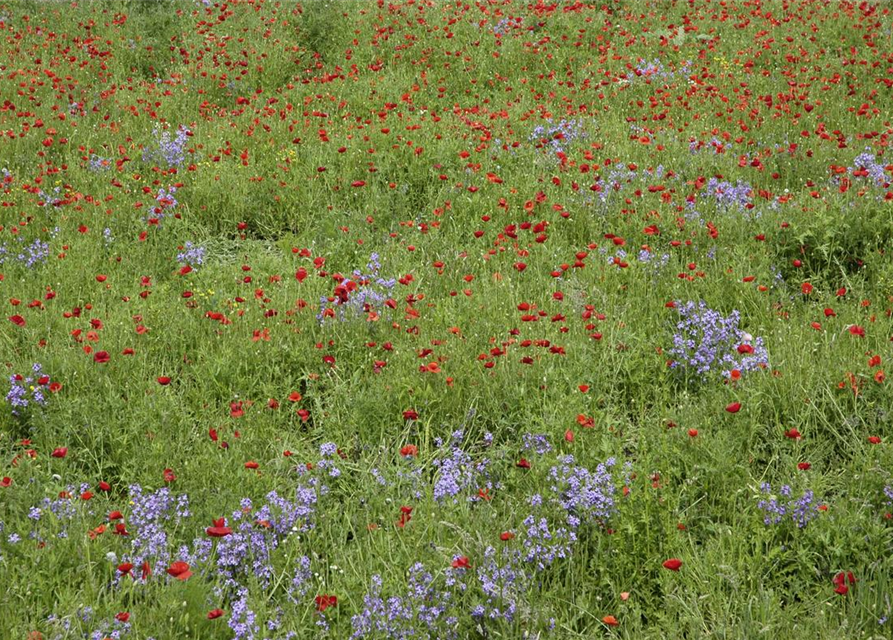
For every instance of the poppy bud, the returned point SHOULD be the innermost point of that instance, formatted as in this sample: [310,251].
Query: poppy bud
[672,564]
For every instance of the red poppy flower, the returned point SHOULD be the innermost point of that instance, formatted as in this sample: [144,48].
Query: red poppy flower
[408,451]
[841,580]
[672,564]
[164,380]
[17,320]
[115,515]
[251,464]
[168,475]
[104,486]
[219,530]
[874,439]
[523,463]
[6,481]
[213,614]
[733,407]
[793,434]
[460,563]
[179,570]
[611,621]
[60,452]
[101,357]
[410,414]
[405,516]
[505,536]
[124,616]
[325,601]
[125,568]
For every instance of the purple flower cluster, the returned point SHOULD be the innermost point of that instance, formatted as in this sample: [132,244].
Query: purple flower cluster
[587,497]
[866,165]
[728,195]
[502,27]
[538,443]
[242,620]
[150,512]
[300,583]
[171,151]
[646,256]
[166,201]
[29,255]
[503,579]
[54,199]
[543,544]
[257,533]
[370,293]
[558,137]
[778,508]
[706,342]
[423,612]
[99,165]
[459,475]
[25,390]
[114,629]
[192,255]
[329,451]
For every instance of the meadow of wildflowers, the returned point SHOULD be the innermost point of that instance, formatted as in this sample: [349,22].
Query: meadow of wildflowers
[420,319]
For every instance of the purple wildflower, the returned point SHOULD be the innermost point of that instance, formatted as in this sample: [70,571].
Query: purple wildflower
[192,255]
[706,341]
[779,508]
[171,151]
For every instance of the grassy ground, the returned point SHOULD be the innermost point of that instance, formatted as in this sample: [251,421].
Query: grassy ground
[423,319]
